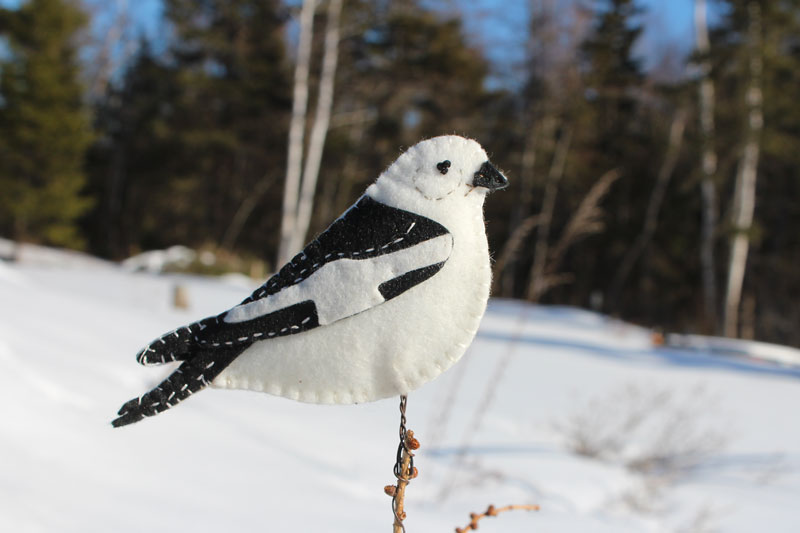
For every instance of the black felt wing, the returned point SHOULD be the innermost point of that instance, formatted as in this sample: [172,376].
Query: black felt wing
[366,231]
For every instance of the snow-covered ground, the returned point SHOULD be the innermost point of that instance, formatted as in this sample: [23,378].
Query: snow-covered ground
[722,434]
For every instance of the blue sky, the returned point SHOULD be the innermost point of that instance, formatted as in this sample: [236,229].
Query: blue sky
[500,26]
[670,19]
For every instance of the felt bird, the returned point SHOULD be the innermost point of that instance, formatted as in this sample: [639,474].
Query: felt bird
[383,301]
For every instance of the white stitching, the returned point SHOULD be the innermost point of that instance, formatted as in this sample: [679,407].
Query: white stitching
[256,335]
[273,282]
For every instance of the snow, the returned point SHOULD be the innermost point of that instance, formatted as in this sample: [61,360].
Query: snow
[492,429]
[785,355]
[159,260]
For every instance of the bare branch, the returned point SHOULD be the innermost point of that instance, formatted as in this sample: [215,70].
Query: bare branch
[110,45]
[493,511]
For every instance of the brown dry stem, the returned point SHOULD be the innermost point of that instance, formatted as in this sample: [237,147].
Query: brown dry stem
[493,511]
[398,492]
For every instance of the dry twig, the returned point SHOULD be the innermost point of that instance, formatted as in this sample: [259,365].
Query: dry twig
[493,511]
[404,470]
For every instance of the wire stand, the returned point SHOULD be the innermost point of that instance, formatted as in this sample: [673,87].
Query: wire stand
[404,469]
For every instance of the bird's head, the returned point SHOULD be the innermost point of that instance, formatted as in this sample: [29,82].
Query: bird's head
[441,169]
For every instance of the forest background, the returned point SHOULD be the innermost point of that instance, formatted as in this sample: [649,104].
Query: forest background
[657,182]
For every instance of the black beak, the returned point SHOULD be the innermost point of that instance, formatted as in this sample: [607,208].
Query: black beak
[491,178]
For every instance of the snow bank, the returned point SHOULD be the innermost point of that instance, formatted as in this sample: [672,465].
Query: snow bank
[227,460]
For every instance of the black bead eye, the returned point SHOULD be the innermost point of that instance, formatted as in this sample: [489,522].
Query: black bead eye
[443,167]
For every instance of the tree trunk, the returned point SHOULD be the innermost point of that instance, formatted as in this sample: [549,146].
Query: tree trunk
[296,133]
[709,167]
[320,128]
[744,197]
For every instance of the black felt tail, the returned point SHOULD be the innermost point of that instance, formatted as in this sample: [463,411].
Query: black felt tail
[177,345]
[193,375]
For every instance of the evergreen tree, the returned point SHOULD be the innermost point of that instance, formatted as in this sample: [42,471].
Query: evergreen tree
[44,126]
[133,161]
[231,116]
[187,137]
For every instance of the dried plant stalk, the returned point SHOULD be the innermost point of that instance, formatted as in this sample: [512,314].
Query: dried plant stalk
[404,470]
[492,511]
[587,219]
[512,248]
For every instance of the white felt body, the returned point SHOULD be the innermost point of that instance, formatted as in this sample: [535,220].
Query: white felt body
[390,348]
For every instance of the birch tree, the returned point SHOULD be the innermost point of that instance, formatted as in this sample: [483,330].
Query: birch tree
[301,176]
[297,128]
[708,191]
[320,128]
[744,200]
